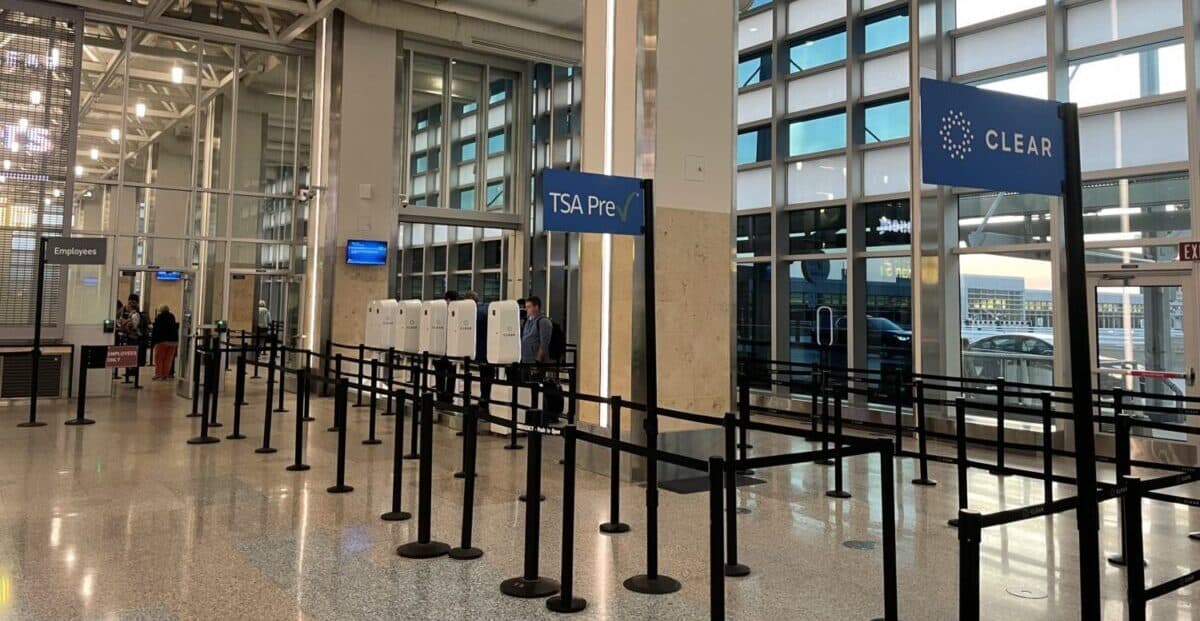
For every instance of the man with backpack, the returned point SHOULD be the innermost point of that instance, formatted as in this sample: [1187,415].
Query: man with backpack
[543,342]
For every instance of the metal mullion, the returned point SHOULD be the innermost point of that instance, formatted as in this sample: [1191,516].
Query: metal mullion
[294,204]
[236,87]
[1191,39]
[1057,70]
[1007,248]
[446,140]
[856,350]
[482,112]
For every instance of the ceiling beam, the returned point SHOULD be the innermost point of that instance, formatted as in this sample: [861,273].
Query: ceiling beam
[289,34]
[156,8]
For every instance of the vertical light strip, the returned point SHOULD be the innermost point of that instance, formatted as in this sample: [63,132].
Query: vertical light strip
[610,18]
[318,163]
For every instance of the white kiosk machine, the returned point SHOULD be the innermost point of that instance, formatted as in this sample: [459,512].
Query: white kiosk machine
[460,329]
[504,347]
[374,323]
[406,326]
[387,317]
[433,328]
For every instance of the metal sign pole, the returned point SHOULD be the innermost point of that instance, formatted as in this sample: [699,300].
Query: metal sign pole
[36,355]
[1087,513]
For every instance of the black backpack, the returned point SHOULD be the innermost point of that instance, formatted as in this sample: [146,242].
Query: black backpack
[558,342]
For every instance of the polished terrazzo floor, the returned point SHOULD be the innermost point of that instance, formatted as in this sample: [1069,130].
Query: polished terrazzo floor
[124,520]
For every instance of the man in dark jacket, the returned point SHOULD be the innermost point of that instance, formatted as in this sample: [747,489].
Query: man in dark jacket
[165,338]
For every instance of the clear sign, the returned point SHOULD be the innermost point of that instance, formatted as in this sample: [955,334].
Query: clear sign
[586,203]
[76,250]
[977,138]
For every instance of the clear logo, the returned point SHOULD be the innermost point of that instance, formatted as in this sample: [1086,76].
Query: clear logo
[957,135]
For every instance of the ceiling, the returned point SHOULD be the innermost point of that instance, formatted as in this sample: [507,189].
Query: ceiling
[558,17]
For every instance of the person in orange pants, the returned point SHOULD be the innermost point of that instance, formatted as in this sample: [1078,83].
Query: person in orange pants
[165,337]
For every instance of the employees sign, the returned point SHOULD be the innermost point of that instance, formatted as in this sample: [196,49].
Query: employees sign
[76,250]
[983,139]
[586,203]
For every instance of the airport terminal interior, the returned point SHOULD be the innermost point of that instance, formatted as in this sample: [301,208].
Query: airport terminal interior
[613,309]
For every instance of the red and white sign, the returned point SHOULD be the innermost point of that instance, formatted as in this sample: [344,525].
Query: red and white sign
[1189,251]
[121,356]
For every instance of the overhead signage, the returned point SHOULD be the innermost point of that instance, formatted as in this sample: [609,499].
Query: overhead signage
[1189,251]
[76,250]
[995,141]
[586,203]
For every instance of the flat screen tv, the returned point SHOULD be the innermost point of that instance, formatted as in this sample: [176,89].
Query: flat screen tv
[366,252]
[161,275]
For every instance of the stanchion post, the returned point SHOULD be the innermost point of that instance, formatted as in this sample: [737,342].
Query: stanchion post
[838,490]
[209,371]
[298,464]
[389,370]
[337,378]
[374,407]
[239,394]
[1047,449]
[970,532]
[81,394]
[716,540]
[465,551]
[960,441]
[362,354]
[417,398]
[566,601]
[530,584]
[922,439]
[396,514]
[327,366]
[614,525]
[1135,572]
[512,375]
[824,418]
[1123,470]
[196,364]
[1000,448]
[743,422]
[340,398]
[733,568]
[282,375]
[887,479]
[424,546]
[215,376]
[267,414]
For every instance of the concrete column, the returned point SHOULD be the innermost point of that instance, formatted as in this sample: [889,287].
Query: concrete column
[667,115]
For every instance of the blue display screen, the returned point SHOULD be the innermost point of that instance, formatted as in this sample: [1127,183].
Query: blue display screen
[167,275]
[366,252]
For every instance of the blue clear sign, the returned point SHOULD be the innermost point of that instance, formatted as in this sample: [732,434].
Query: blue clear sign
[977,138]
[586,203]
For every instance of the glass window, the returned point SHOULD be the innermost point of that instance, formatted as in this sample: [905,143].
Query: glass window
[817,134]
[967,12]
[754,68]
[754,317]
[889,323]
[1005,300]
[1031,84]
[754,236]
[496,142]
[439,259]
[999,219]
[885,121]
[1123,210]
[464,152]
[495,195]
[425,141]
[754,145]
[817,231]
[886,30]
[887,225]
[754,4]
[816,306]
[465,93]
[1142,72]
[817,50]
[463,199]
[490,251]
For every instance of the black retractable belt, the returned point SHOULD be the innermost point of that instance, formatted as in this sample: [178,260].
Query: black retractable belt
[396,514]
[362,353]
[282,375]
[513,385]
[960,437]
[341,396]
[298,464]
[922,436]
[208,364]
[465,551]
[371,439]
[838,490]
[417,377]
[566,601]
[733,568]
[389,369]
[716,540]
[529,583]
[424,546]
[239,395]
[614,525]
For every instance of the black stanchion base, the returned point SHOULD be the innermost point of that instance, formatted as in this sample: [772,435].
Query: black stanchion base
[412,456]
[395,516]
[521,587]
[558,604]
[745,473]
[952,522]
[523,499]
[372,442]
[465,554]
[387,414]
[332,430]
[235,436]
[1195,535]
[743,510]
[428,549]
[824,462]
[614,528]
[203,440]
[214,425]
[193,416]
[513,447]
[925,482]
[266,450]
[298,467]
[80,421]
[339,489]
[280,410]
[458,433]
[833,493]
[36,423]
[745,446]
[652,585]
[1119,561]
[361,405]
[244,403]
[460,475]
[308,419]
[736,570]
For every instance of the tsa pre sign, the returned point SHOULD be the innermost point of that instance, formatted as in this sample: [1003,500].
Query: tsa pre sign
[977,138]
[586,203]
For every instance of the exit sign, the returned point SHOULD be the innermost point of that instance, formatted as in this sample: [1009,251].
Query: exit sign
[1189,251]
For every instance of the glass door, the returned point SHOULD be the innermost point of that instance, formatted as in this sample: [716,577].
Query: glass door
[1143,343]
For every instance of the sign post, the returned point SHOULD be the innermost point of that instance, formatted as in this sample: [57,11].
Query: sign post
[586,203]
[58,251]
[996,141]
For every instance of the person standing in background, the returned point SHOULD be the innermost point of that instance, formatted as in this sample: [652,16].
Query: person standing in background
[164,336]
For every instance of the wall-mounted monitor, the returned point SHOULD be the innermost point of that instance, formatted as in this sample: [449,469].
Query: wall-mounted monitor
[366,252]
[161,275]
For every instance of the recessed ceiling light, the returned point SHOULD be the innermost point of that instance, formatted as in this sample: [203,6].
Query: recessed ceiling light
[139,109]
[35,97]
[95,153]
[177,74]
[114,133]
